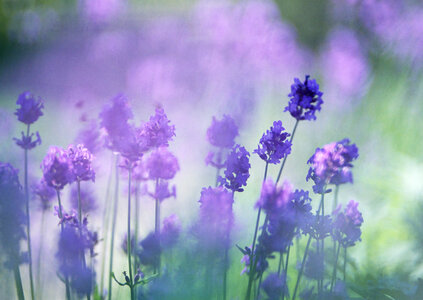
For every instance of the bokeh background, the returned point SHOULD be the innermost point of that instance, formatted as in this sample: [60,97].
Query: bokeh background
[200,59]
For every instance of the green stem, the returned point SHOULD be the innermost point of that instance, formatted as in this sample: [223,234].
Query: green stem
[28,221]
[84,264]
[252,256]
[18,282]
[335,267]
[226,258]
[301,269]
[129,234]
[106,216]
[285,272]
[323,238]
[137,208]
[219,160]
[112,238]
[68,296]
[286,156]
[40,252]
[280,263]
[345,264]
[157,223]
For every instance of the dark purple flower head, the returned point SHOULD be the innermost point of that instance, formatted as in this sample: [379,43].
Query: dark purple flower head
[114,119]
[12,215]
[158,131]
[300,206]
[44,193]
[332,164]
[347,224]
[273,144]
[237,169]
[88,198]
[151,250]
[273,286]
[163,191]
[30,108]
[222,133]
[170,231]
[81,160]
[162,164]
[57,168]
[26,142]
[318,227]
[216,215]
[305,99]
[82,279]
[273,197]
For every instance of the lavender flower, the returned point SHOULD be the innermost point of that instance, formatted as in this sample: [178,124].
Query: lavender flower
[314,267]
[273,144]
[81,160]
[90,137]
[170,231]
[57,168]
[162,164]
[273,286]
[347,224]
[30,108]
[216,215]
[237,169]
[88,199]
[305,99]
[151,250]
[332,164]
[158,131]
[44,193]
[12,215]
[163,191]
[222,133]
[26,141]
[273,197]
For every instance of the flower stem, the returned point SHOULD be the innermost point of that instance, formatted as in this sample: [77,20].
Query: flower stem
[345,264]
[68,297]
[106,216]
[323,238]
[226,257]
[286,156]
[28,221]
[157,224]
[18,282]
[128,237]
[285,272]
[335,267]
[40,252]
[300,273]
[112,238]
[280,263]
[137,208]
[252,259]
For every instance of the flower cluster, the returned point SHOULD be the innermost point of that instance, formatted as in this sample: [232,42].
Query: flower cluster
[347,224]
[44,193]
[30,108]
[305,99]
[162,164]
[27,142]
[170,231]
[81,160]
[222,133]
[273,144]
[12,215]
[56,168]
[237,169]
[332,164]
[158,131]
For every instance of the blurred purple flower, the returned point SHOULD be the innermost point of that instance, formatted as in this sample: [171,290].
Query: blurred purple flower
[305,99]
[273,197]
[12,215]
[151,250]
[347,224]
[273,144]
[237,169]
[332,164]
[170,231]
[91,137]
[222,133]
[273,286]
[88,199]
[218,163]
[44,193]
[30,108]
[162,164]
[163,191]
[314,267]
[56,167]
[81,160]
[157,131]
[26,142]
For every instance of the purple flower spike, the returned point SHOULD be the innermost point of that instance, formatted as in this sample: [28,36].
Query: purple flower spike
[162,164]
[216,208]
[273,144]
[158,131]
[81,160]
[222,133]
[273,286]
[237,169]
[305,99]
[44,193]
[332,164]
[57,168]
[273,197]
[30,108]
[347,224]
[26,142]
[170,231]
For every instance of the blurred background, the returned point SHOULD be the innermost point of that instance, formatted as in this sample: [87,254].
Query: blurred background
[200,59]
